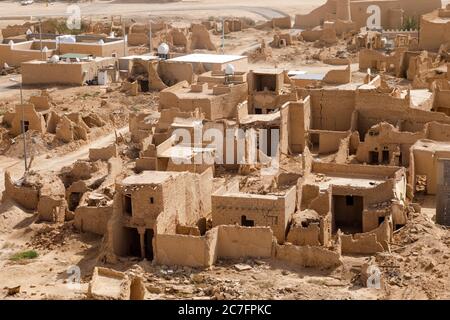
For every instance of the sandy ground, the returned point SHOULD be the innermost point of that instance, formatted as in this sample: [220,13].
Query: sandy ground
[259,9]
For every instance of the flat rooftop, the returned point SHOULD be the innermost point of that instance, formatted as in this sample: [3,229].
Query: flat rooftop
[149,177]
[96,59]
[267,71]
[252,118]
[207,58]
[324,181]
[309,76]
[431,146]
[184,152]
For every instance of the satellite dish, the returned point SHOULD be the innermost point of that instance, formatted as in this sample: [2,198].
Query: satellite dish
[11,43]
[45,49]
[29,32]
[54,59]
[67,60]
[229,69]
[112,35]
[5,65]
[101,41]
[163,49]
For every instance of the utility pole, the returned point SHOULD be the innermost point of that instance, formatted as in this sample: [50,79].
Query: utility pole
[23,125]
[150,35]
[124,39]
[223,35]
[40,38]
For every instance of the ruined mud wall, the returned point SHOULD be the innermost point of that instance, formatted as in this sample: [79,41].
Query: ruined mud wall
[26,197]
[92,219]
[374,108]
[308,256]
[368,243]
[222,242]
[325,113]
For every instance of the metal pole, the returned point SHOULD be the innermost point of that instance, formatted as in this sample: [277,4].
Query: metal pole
[150,36]
[124,40]
[223,36]
[23,129]
[40,37]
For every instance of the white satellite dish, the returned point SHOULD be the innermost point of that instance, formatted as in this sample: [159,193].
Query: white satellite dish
[101,41]
[229,69]
[67,60]
[163,49]
[54,59]
[45,49]
[11,43]
[29,32]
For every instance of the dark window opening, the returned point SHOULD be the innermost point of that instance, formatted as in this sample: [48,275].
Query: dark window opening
[74,200]
[380,220]
[373,157]
[346,217]
[127,206]
[247,223]
[148,237]
[152,200]
[258,111]
[25,125]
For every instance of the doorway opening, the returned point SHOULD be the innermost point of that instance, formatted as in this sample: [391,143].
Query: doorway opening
[132,242]
[385,156]
[347,214]
[148,237]
[373,157]
[74,200]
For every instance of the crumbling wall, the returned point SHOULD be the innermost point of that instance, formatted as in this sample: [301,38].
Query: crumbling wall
[308,256]
[25,196]
[367,243]
[235,242]
[221,242]
[201,38]
[338,76]
[104,153]
[92,219]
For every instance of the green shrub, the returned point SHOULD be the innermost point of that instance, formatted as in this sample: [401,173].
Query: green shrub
[30,254]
